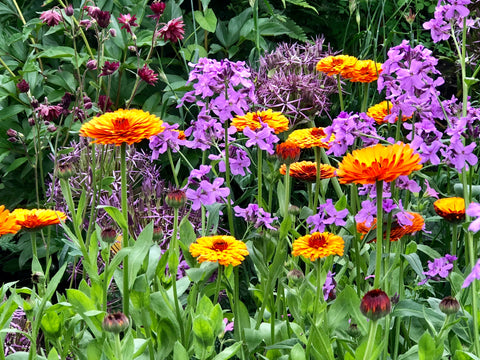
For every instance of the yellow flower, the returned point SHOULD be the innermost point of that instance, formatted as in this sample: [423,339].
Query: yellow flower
[333,65]
[308,138]
[8,223]
[451,209]
[396,231]
[122,126]
[38,218]
[379,111]
[375,163]
[307,171]
[223,249]
[365,71]
[275,120]
[318,245]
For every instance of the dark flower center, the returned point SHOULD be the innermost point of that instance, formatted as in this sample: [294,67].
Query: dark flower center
[220,245]
[317,241]
[318,132]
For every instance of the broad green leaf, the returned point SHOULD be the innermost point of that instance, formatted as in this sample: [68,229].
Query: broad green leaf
[229,352]
[116,215]
[297,353]
[207,20]
[179,352]
[415,263]
[57,52]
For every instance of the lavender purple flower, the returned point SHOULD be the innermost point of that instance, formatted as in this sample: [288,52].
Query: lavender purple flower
[439,268]
[327,215]
[474,274]
[329,292]
[255,215]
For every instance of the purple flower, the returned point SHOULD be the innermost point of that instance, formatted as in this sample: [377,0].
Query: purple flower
[109,68]
[430,191]
[207,193]
[256,215]
[327,215]
[366,213]
[474,211]
[404,183]
[403,217]
[199,174]
[51,17]
[228,325]
[238,158]
[167,139]
[475,274]
[264,138]
[439,268]
[329,292]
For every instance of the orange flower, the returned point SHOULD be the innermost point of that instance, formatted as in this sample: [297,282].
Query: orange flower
[307,171]
[8,222]
[333,65]
[38,218]
[223,249]
[375,163]
[288,152]
[364,71]
[379,111]
[451,209]
[396,231]
[308,138]
[318,245]
[275,120]
[122,126]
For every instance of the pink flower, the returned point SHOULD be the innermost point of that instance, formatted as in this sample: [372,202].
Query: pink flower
[157,7]
[109,68]
[173,30]
[51,17]
[148,75]
[128,21]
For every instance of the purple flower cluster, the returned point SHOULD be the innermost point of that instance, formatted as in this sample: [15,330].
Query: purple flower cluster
[448,13]
[329,292]
[287,81]
[439,269]
[327,215]
[17,341]
[264,138]
[255,215]
[205,192]
[167,139]
[474,274]
[473,210]
[238,159]
[346,128]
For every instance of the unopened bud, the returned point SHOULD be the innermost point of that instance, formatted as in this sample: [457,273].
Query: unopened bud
[23,86]
[115,323]
[69,10]
[65,170]
[157,233]
[109,235]
[449,305]
[295,275]
[12,133]
[38,277]
[176,199]
[92,64]
[113,32]
[52,128]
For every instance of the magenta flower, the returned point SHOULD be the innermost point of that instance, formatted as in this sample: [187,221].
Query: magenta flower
[128,21]
[173,30]
[157,7]
[51,17]
[207,193]
[109,68]
[148,75]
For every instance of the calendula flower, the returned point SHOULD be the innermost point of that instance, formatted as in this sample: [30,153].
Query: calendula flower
[451,209]
[379,111]
[308,138]
[288,152]
[223,249]
[375,304]
[254,120]
[318,245]
[364,71]
[376,163]
[333,65]
[397,231]
[8,223]
[122,126]
[307,171]
[38,218]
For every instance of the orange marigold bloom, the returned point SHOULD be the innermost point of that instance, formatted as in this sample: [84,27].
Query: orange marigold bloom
[38,218]
[275,120]
[223,249]
[8,222]
[379,162]
[307,171]
[288,152]
[451,209]
[308,138]
[333,65]
[379,111]
[318,245]
[364,71]
[396,231]
[122,126]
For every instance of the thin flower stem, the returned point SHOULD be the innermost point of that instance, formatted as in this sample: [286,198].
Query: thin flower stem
[453,245]
[317,178]
[33,236]
[365,97]
[259,176]
[340,93]
[334,180]
[218,284]
[118,347]
[6,67]
[105,281]
[125,242]
[238,329]
[356,239]
[228,180]
[378,260]
[372,331]
[170,159]
[287,190]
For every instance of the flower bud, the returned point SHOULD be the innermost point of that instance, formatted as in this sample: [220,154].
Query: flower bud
[64,170]
[112,32]
[115,323]
[38,277]
[92,64]
[158,7]
[12,133]
[52,128]
[353,330]
[23,86]
[449,305]
[288,152]
[35,104]
[109,235]
[176,199]
[295,275]
[375,304]
[31,121]
[157,233]
[69,10]
[294,210]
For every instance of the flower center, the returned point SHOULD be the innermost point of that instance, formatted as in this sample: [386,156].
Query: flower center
[122,124]
[220,245]
[318,132]
[317,241]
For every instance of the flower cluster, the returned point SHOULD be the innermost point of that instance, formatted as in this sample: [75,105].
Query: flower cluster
[349,67]
[327,215]
[205,192]
[439,269]
[256,215]
[447,13]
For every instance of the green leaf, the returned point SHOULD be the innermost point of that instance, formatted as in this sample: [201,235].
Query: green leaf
[427,349]
[115,214]
[297,353]
[302,3]
[206,20]
[11,111]
[15,164]
[51,323]
[415,263]
[179,352]
[229,352]
[58,52]
[139,252]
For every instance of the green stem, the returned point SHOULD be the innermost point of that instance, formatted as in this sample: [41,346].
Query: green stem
[372,331]
[334,180]
[173,272]
[228,180]
[365,97]
[317,178]
[453,245]
[260,176]
[356,239]
[287,190]
[256,26]
[238,329]
[378,260]
[33,236]
[118,347]
[174,173]
[218,284]
[340,93]
[125,242]
[6,67]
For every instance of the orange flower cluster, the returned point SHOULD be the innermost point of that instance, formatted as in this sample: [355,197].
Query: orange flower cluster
[451,209]
[379,111]
[275,120]
[122,126]
[308,138]
[38,218]
[318,245]
[376,163]
[8,222]
[350,68]
[223,249]
[396,231]
[307,171]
